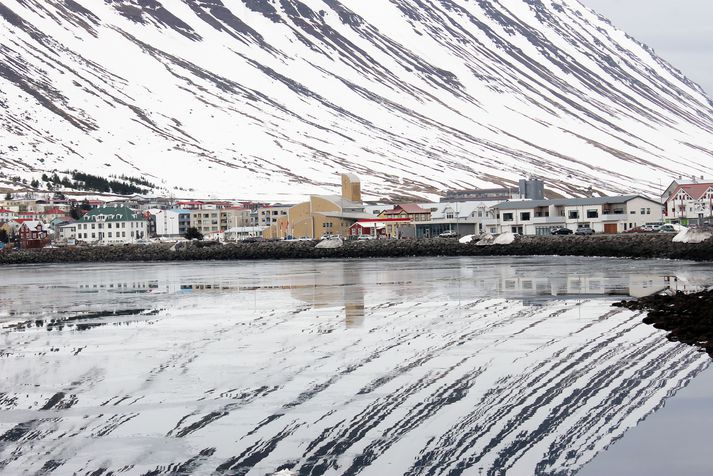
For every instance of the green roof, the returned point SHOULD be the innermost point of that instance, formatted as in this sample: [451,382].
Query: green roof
[112,214]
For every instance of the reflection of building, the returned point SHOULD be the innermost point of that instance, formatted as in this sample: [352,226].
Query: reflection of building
[343,287]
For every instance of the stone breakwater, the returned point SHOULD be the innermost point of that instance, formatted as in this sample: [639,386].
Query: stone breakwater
[629,246]
[687,317]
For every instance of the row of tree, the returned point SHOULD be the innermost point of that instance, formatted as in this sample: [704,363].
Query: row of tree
[85,181]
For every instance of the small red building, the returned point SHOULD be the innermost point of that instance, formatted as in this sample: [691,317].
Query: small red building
[32,234]
[379,227]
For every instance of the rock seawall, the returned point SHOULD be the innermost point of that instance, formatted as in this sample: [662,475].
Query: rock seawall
[630,246]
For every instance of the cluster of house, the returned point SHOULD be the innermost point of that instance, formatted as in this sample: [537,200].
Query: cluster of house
[522,209]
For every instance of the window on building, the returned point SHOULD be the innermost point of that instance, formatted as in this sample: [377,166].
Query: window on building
[573,214]
[525,216]
[94,235]
[648,211]
[507,217]
[109,234]
[100,226]
[643,211]
[632,212]
[592,213]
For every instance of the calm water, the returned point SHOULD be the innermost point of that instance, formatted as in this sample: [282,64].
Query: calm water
[432,366]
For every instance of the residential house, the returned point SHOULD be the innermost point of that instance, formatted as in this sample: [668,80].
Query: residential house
[410,211]
[32,234]
[602,214]
[66,232]
[373,229]
[688,202]
[112,225]
[464,218]
[53,213]
[243,233]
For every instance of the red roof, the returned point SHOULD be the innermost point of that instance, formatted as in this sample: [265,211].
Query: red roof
[2,210]
[695,190]
[409,208]
[190,203]
[384,220]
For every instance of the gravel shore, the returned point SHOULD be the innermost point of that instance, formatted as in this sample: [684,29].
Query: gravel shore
[629,246]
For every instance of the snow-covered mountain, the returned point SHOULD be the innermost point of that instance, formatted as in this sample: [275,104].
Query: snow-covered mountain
[273,98]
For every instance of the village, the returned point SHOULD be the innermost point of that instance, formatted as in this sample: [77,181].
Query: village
[28,222]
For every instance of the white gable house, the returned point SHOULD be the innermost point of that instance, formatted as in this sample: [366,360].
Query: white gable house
[111,225]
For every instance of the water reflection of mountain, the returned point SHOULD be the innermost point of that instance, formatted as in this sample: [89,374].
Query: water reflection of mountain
[247,372]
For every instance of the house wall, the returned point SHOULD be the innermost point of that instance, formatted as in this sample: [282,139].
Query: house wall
[635,212]
[171,223]
[205,221]
[300,219]
[115,232]
[681,207]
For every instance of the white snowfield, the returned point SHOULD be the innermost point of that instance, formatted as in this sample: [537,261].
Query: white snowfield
[261,99]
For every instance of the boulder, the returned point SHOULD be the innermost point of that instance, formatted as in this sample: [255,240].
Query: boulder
[693,235]
[330,243]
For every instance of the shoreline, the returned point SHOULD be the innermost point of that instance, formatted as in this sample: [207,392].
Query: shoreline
[688,318]
[639,246]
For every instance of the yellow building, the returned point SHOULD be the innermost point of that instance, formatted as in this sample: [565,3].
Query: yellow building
[323,214]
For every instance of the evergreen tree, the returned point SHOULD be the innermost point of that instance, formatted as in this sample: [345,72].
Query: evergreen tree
[35,183]
[3,236]
[193,234]
[8,196]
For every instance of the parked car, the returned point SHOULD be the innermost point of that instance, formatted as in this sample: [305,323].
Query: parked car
[561,231]
[448,234]
[584,230]
[365,237]
[668,229]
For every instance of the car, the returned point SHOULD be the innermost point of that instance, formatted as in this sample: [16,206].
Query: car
[561,231]
[448,234]
[668,229]
[584,230]
[365,237]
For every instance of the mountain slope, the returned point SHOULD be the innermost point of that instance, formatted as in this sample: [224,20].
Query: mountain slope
[272,98]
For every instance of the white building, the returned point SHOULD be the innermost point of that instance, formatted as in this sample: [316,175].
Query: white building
[111,225]
[172,223]
[602,214]
[689,202]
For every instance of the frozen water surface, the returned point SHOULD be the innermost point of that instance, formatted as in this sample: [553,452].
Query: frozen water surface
[423,366]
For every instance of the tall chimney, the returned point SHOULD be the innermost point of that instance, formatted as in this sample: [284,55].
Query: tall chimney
[351,187]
